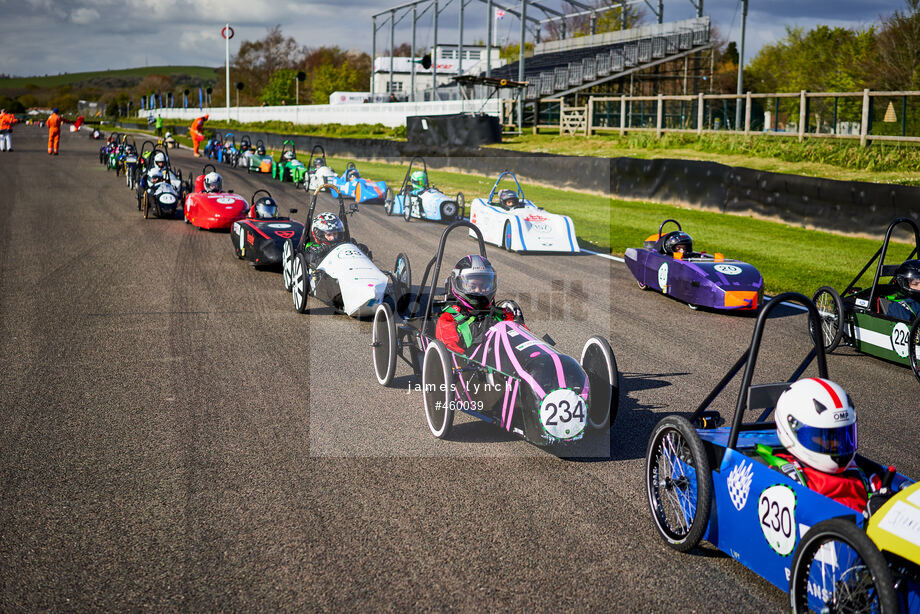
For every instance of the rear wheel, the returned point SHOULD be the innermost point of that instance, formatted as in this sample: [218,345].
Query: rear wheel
[449,211]
[601,368]
[913,347]
[837,568]
[300,283]
[383,344]
[678,483]
[287,264]
[830,310]
[437,380]
[407,209]
[506,236]
[388,201]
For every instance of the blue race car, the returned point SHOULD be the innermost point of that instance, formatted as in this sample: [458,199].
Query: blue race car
[705,481]
[418,199]
[353,185]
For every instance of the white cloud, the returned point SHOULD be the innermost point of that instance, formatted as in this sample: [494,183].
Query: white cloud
[84,16]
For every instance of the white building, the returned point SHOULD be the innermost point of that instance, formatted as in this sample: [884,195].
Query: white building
[446,60]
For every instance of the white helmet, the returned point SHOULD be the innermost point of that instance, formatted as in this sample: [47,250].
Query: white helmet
[160,159]
[156,176]
[816,423]
[213,182]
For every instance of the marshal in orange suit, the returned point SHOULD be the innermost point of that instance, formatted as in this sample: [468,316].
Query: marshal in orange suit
[54,132]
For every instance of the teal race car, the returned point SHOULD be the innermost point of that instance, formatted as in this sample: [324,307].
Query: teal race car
[858,317]
[260,161]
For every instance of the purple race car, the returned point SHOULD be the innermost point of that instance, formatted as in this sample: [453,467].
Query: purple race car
[667,263]
[510,378]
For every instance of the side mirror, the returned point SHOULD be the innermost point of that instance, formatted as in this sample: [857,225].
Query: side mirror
[292,210]
[548,339]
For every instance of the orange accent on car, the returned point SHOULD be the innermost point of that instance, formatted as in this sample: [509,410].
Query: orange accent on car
[746,299]
[718,257]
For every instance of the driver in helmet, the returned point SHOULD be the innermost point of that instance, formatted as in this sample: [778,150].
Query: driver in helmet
[418,181]
[816,424]
[352,174]
[287,156]
[159,161]
[905,303]
[318,162]
[326,232]
[678,242]
[260,150]
[156,177]
[265,208]
[471,288]
[509,199]
[213,183]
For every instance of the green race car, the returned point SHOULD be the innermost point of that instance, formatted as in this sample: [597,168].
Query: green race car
[288,167]
[259,161]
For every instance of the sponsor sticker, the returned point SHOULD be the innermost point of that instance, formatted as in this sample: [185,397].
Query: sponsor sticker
[536,217]
[739,484]
[903,520]
[226,200]
[563,413]
[279,225]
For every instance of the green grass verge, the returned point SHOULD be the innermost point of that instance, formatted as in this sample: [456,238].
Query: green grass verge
[202,72]
[789,258]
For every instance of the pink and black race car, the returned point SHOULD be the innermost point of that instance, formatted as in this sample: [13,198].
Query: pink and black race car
[260,236]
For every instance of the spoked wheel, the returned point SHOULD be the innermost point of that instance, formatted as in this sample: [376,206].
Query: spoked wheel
[403,274]
[678,482]
[300,283]
[830,309]
[837,568]
[437,380]
[287,264]
[913,348]
[601,368]
[407,210]
[388,201]
[383,344]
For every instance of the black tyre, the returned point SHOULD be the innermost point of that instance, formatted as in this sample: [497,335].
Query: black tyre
[913,343]
[678,482]
[388,201]
[830,309]
[461,205]
[449,211]
[601,368]
[506,236]
[146,206]
[859,581]
[383,344]
[437,389]
[287,264]
[402,271]
[300,283]
[407,210]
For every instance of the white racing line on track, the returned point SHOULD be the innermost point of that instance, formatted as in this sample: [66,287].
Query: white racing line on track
[618,259]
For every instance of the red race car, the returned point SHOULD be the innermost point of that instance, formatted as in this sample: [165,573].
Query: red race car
[210,207]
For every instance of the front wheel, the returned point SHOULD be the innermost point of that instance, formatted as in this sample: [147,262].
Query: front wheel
[603,379]
[383,344]
[449,211]
[407,210]
[642,286]
[678,483]
[300,283]
[837,568]
[437,388]
[913,348]
[830,310]
[506,236]
[388,201]
[403,274]
[287,264]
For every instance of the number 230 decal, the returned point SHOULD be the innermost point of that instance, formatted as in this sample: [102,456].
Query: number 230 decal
[776,512]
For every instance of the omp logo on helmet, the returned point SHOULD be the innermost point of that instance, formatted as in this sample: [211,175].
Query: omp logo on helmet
[842,416]
[739,484]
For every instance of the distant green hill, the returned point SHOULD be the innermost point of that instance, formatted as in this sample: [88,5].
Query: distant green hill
[105,77]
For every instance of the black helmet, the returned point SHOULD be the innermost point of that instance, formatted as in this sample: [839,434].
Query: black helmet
[908,271]
[260,150]
[266,208]
[674,239]
[352,174]
[319,162]
[473,282]
[509,199]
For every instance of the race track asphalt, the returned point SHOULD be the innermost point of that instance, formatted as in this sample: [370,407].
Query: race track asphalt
[175,437]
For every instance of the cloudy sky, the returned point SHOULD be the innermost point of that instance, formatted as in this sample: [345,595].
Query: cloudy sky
[53,36]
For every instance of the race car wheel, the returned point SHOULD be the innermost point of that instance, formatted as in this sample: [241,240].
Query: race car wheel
[842,569]
[403,273]
[913,347]
[830,308]
[383,344]
[603,378]
[287,264]
[437,387]
[678,482]
[506,236]
[388,201]
[461,205]
[146,206]
[407,210]
[693,307]
[449,211]
[642,286]
[300,283]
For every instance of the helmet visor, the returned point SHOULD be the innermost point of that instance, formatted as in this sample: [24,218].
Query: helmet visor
[266,210]
[839,441]
[477,283]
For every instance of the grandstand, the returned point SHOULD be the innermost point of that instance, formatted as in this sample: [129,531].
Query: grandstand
[562,67]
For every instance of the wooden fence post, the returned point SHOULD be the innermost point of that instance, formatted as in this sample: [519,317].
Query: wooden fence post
[864,125]
[803,115]
[747,114]
[658,120]
[561,113]
[622,114]
[699,115]
[590,115]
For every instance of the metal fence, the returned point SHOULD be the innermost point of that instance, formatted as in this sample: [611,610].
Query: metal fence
[867,115]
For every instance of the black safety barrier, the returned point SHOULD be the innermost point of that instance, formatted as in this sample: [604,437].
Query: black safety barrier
[845,206]
[455,130]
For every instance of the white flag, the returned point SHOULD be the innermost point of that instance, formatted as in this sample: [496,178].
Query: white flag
[499,14]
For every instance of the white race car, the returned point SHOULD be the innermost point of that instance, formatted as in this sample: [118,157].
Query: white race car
[318,172]
[509,220]
[420,200]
